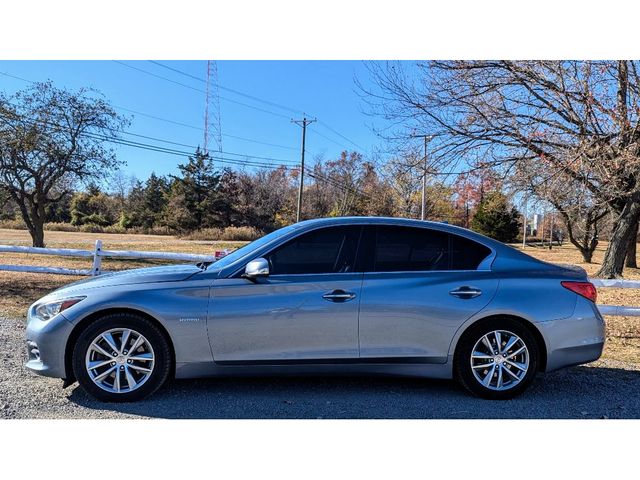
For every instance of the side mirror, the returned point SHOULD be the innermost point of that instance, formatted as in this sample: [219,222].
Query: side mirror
[255,269]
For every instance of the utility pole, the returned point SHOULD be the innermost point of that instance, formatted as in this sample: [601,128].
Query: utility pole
[303,123]
[427,139]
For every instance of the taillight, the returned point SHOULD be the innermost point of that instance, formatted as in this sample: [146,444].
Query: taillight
[586,289]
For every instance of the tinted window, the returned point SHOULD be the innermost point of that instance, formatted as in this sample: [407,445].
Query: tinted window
[249,248]
[410,249]
[327,250]
[466,254]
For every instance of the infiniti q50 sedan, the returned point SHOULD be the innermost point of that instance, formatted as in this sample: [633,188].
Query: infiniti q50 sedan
[360,295]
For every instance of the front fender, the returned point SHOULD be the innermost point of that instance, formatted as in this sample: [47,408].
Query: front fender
[181,309]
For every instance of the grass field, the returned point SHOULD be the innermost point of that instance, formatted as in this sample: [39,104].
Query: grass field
[19,290]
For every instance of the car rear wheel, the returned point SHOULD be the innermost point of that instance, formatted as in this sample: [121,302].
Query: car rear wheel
[121,358]
[497,359]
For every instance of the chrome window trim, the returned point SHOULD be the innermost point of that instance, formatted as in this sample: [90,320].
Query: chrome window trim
[484,266]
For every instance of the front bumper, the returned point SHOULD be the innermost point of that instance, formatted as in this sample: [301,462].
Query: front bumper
[575,340]
[49,339]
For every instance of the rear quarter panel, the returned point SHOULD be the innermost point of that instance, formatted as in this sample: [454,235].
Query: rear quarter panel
[534,296]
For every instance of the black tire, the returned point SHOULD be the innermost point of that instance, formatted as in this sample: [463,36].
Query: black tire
[161,350]
[463,371]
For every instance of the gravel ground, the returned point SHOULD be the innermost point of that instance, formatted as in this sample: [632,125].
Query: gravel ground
[604,389]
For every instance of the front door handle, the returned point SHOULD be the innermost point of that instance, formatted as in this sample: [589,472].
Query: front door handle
[339,296]
[466,292]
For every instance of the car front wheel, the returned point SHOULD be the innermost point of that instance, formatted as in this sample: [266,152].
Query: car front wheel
[121,357]
[497,359]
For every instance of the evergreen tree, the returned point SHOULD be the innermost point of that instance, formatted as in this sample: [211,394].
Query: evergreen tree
[495,218]
[146,203]
[194,198]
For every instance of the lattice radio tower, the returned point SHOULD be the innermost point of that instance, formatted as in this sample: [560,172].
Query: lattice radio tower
[212,123]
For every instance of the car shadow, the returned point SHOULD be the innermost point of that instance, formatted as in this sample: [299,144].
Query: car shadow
[578,392]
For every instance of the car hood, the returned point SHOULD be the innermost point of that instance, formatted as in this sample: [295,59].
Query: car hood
[169,273]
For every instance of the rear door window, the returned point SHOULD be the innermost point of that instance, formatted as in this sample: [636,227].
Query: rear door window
[391,248]
[402,249]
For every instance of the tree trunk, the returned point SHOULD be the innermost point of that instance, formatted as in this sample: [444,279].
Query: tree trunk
[631,261]
[626,226]
[36,229]
[37,234]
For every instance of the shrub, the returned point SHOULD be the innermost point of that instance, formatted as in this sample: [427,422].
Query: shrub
[60,227]
[241,233]
[13,224]
[228,233]
[114,229]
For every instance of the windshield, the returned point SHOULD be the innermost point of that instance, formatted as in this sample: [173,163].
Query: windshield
[250,247]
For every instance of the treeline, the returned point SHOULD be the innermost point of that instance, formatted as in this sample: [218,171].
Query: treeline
[201,201]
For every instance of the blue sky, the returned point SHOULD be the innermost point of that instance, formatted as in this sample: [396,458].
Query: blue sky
[322,89]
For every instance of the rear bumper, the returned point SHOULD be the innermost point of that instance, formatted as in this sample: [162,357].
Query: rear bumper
[575,340]
[566,357]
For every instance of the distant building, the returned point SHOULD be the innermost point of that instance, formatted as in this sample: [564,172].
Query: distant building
[537,220]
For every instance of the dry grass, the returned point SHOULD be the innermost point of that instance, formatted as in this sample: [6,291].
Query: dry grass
[19,290]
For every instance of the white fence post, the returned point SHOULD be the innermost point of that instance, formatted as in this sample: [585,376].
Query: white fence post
[97,258]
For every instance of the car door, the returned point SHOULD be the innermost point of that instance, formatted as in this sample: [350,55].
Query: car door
[419,287]
[305,310]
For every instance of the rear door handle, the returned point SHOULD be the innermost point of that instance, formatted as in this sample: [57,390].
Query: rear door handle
[466,292]
[339,296]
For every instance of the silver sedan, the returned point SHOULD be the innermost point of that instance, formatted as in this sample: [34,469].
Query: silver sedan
[357,295]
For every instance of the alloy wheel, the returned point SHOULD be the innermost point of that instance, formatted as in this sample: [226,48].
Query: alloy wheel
[500,360]
[120,360]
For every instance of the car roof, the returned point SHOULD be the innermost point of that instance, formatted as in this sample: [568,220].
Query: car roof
[409,222]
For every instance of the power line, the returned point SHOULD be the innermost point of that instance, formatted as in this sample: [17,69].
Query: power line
[218,158]
[221,159]
[16,77]
[246,95]
[324,124]
[227,89]
[155,148]
[200,90]
[174,122]
[200,129]
[340,135]
[179,144]
[221,151]
[341,145]
[335,183]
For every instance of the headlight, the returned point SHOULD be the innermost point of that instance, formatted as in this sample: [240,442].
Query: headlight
[46,311]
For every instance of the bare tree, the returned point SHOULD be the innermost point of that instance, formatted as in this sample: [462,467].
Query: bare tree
[50,139]
[580,212]
[580,119]
[405,182]
[120,186]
